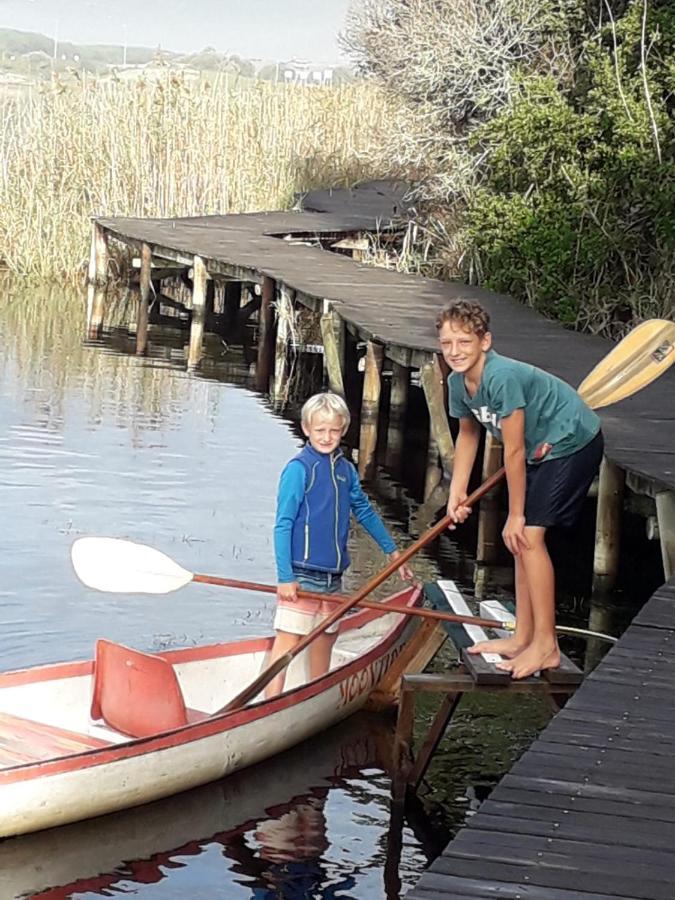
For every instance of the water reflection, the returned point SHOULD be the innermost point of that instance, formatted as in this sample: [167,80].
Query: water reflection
[278,830]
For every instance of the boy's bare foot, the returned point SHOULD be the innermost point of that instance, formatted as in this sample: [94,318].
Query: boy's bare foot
[508,647]
[532,659]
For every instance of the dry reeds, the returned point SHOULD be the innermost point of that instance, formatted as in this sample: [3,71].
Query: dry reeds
[168,148]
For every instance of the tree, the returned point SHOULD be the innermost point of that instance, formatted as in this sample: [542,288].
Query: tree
[540,140]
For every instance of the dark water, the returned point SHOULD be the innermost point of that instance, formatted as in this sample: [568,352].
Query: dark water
[97,441]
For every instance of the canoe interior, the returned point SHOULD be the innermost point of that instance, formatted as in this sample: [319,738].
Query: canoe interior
[45,712]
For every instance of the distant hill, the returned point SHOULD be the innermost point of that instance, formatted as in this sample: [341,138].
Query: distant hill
[18,47]
[32,55]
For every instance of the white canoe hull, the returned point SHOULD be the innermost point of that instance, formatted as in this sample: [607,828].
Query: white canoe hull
[129,772]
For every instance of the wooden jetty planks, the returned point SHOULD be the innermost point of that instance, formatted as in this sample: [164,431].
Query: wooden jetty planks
[398,310]
[455,886]
[566,673]
[589,807]
[446,597]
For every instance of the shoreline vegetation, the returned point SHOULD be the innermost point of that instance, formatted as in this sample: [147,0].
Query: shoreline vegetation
[538,140]
[171,147]
[541,143]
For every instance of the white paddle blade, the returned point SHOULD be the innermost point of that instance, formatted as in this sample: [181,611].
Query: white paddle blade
[124,567]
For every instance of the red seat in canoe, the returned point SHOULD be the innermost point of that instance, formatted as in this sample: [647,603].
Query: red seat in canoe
[137,693]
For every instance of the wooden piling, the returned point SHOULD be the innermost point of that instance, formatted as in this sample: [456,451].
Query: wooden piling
[231,307]
[199,279]
[398,407]
[144,300]
[98,257]
[285,315]
[403,744]
[332,334]
[97,277]
[488,517]
[665,514]
[608,524]
[266,336]
[433,381]
[370,409]
[210,304]
[434,472]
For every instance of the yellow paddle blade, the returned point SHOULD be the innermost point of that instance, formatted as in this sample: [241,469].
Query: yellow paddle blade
[641,357]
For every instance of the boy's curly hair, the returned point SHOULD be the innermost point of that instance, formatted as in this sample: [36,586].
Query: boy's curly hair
[471,314]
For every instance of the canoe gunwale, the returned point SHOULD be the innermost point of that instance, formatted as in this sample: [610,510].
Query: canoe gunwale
[214,724]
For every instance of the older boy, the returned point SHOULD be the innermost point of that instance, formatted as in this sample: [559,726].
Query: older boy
[318,490]
[552,450]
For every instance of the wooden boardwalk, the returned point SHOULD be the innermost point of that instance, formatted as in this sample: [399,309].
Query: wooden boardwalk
[397,310]
[588,812]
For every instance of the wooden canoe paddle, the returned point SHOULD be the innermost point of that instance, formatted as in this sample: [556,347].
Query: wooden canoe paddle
[116,565]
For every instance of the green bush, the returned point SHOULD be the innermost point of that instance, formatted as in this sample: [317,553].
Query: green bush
[541,136]
[575,209]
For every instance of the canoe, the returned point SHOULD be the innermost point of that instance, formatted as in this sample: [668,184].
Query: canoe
[138,846]
[82,739]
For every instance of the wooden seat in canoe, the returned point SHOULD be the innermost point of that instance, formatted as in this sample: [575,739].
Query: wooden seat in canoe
[27,741]
[137,693]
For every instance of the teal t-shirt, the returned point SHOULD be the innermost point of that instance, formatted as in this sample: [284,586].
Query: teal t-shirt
[554,413]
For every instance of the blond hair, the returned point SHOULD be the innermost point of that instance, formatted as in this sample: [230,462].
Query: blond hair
[331,404]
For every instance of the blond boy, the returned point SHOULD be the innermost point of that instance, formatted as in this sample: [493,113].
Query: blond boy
[319,489]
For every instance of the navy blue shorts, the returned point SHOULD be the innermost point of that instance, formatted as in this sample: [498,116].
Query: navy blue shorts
[556,488]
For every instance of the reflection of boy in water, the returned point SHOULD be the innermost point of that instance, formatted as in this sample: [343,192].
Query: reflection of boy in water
[293,844]
[289,864]
[298,833]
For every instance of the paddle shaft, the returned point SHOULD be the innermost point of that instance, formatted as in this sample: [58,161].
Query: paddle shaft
[382,608]
[280,664]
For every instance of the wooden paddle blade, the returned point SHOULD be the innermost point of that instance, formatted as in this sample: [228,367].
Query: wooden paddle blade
[640,358]
[124,567]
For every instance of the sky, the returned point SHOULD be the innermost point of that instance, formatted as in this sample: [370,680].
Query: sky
[268,29]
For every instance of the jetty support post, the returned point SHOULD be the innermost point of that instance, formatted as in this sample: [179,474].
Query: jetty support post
[433,381]
[403,744]
[488,518]
[285,320]
[434,471]
[266,336]
[602,617]
[333,337]
[231,306]
[398,407]
[144,300]
[199,279]
[97,277]
[608,525]
[410,770]
[665,514]
[370,409]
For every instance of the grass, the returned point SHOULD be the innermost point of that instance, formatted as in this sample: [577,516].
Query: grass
[169,148]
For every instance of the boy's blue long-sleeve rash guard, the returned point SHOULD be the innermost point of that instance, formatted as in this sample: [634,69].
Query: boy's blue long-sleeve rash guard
[290,498]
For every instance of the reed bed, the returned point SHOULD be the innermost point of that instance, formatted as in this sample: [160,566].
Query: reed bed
[166,148]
